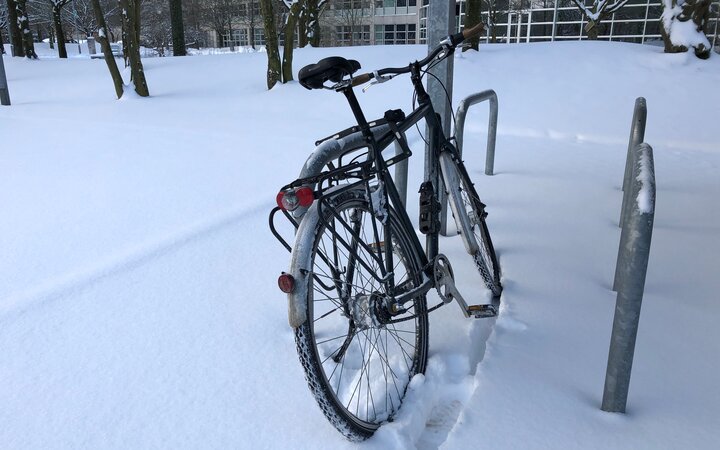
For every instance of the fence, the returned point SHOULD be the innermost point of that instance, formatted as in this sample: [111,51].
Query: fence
[554,20]
[638,21]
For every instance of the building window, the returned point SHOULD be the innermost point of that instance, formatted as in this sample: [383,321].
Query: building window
[353,35]
[259,36]
[396,34]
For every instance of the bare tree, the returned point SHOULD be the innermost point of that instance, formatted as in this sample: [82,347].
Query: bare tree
[23,23]
[178,28]
[107,51]
[472,18]
[14,30]
[599,10]
[3,25]
[310,21]
[349,16]
[156,28]
[57,6]
[683,25]
[193,23]
[131,22]
[271,43]
[221,15]
[294,8]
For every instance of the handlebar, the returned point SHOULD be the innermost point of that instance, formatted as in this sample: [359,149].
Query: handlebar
[449,43]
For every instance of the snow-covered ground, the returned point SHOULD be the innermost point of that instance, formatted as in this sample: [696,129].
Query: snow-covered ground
[138,297]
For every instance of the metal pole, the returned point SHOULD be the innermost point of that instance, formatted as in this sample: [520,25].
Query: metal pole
[4,92]
[612,26]
[635,254]
[637,135]
[519,25]
[440,23]
[647,9]
[529,25]
[554,27]
[509,27]
[460,116]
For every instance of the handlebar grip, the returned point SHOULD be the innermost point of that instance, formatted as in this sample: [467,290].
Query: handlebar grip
[361,79]
[474,31]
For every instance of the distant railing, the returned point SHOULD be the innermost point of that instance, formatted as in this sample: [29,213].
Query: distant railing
[638,21]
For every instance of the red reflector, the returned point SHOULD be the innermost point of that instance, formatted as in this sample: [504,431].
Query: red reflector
[279,198]
[305,196]
[286,282]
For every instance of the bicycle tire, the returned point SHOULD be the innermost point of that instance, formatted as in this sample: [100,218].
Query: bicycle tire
[375,355]
[469,214]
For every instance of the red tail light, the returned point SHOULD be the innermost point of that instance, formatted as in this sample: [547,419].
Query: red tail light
[291,199]
[286,283]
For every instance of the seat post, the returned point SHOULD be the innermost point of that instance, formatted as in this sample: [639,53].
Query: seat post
[357,112]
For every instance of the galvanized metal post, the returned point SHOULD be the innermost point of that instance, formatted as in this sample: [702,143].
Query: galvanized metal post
[635,254]
[612,26]
[4,92]
[460,116]
[637,135]
[441,23]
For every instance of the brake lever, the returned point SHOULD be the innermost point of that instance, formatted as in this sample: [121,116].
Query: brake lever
[377,79]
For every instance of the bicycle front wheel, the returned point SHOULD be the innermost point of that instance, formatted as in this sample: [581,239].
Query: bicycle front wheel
[469,214]
[358,359]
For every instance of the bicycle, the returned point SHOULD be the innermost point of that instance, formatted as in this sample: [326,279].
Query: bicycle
[358,274]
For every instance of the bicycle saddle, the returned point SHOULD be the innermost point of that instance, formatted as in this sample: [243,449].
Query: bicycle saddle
[334,69]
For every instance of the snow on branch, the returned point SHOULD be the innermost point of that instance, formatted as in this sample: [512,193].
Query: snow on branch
[599,8]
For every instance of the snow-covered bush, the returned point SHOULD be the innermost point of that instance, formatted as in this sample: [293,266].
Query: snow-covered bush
[683,26]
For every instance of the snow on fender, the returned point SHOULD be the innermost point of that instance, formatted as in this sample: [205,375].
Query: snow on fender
[300,267]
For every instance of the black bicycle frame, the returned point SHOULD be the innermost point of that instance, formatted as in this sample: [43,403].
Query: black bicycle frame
[436,138]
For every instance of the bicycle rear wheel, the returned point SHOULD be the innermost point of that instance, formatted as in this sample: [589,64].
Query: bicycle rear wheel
[469,213]
[358,360]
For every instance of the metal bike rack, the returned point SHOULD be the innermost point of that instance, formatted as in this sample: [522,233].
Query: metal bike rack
[637,135]
[638,216]
[462,110]
[460,115]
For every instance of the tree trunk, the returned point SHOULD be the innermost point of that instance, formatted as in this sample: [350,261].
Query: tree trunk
[313,22]
[287,72]
[683,27]
[15,35]
[271,42]
[302,26]
[178,28]
[24,24]
[130,8]
[593,30]
[136,4]
[51,39]
[2,44]
[57,20]
[107,51]
[472,18]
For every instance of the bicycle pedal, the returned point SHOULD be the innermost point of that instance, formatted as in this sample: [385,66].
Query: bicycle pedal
[482,311]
